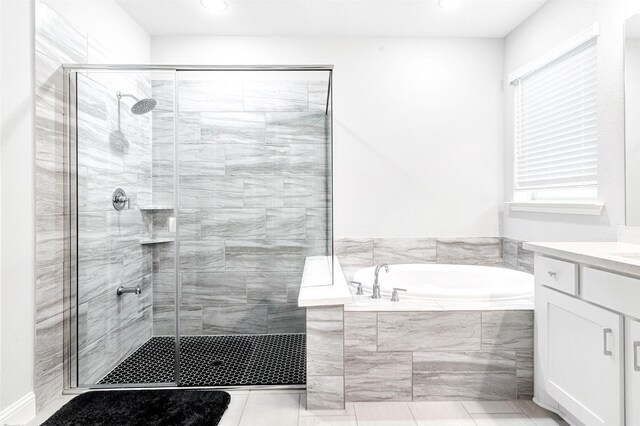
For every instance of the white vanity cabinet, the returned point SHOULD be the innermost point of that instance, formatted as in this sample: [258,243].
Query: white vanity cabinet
[581,357]
[587,357]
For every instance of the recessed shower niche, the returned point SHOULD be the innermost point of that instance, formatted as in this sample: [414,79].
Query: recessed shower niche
[188,274]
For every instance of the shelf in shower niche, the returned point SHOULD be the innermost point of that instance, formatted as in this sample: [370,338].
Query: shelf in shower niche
[145,241]
[158,207]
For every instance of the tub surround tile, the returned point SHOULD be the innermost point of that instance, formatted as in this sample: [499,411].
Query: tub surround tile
[525,259]
[471,251]
[464,375]
[507,330]
[360,331]
[404,250]
[524,374]
[514,256]
[425,331]
[379,376]
[509,253]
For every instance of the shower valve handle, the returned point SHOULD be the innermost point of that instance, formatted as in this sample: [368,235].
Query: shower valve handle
[394,295]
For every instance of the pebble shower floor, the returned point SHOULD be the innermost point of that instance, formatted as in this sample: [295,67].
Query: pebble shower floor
[274,359]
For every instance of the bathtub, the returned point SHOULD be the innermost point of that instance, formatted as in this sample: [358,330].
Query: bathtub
[449,283]
[460,332]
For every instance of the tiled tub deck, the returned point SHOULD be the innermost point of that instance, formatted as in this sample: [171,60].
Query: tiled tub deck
[476,352]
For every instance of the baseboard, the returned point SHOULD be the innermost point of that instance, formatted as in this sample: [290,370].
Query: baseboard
[20,412]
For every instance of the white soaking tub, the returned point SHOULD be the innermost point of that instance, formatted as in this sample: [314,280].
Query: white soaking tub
[449,283]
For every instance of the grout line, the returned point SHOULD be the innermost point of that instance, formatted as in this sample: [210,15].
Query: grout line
[244,408]
[415,421]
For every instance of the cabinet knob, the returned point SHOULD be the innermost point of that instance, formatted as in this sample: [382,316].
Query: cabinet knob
[552,274]
[636,346]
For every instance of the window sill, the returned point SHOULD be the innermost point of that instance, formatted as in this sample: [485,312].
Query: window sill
[589,208]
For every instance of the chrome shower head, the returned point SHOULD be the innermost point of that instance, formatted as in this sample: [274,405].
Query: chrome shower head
[142,106]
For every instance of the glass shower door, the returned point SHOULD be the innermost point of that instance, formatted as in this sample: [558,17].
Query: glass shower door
[254,167]
[126,300]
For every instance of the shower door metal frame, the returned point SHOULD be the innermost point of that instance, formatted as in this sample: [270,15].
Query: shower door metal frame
[71,383]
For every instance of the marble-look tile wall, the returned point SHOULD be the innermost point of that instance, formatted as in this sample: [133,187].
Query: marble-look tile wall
[57,43]
[355,254]
[516,257]
[254,200]
[114,151]
[417,356]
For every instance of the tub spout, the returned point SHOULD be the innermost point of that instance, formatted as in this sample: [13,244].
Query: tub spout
[376,285]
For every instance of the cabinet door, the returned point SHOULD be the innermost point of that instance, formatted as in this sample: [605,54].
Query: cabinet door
[632,368]
[582,357]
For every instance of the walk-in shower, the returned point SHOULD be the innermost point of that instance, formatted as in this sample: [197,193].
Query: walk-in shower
[194,205]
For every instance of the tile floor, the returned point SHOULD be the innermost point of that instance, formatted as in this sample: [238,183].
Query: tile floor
[287,408]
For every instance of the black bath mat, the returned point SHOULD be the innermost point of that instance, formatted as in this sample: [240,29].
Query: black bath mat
[143,407]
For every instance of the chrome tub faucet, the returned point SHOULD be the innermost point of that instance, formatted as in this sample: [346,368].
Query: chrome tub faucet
[376,285]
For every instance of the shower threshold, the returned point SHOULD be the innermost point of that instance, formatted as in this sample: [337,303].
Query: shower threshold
[238,360]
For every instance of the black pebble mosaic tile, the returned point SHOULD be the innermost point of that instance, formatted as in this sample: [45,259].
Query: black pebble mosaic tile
[274,359]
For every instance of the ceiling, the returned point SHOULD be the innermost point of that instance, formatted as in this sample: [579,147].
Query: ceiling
[475,18]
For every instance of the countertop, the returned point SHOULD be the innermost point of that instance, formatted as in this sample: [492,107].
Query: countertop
[615,256]
[317,287]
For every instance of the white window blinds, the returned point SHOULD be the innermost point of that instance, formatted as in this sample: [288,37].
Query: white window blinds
[556,140]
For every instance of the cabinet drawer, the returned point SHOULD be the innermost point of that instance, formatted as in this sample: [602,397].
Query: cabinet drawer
[613,291]
[557,274]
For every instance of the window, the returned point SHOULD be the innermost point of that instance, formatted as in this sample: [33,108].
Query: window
[556,131]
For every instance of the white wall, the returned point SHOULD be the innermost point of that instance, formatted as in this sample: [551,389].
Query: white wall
[17,203]
[550,26]
[118,35]
[418,126]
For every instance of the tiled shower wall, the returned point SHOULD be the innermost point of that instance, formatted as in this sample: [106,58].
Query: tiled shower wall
[114,151]
[254,187]
[57,43]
